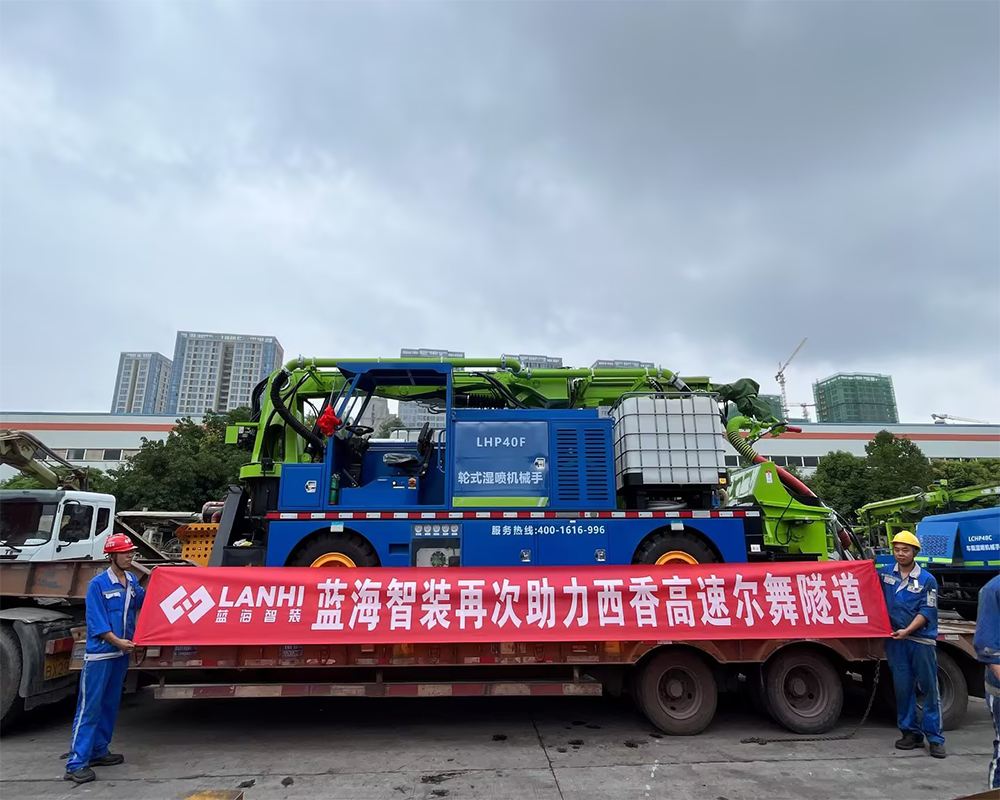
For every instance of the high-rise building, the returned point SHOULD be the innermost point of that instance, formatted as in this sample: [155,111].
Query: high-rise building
[529,361]
[142,384]
[423,352]
[774,403]
[375,414]
[620,364]
[413,414]
[855,397]
[217,371]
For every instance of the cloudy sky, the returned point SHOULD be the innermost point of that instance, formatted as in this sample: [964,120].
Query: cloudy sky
[698,185]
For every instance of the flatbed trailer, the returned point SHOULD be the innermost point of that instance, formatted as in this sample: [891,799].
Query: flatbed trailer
[799,682]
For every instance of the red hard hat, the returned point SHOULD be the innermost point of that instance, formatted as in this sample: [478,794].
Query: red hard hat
[119,543]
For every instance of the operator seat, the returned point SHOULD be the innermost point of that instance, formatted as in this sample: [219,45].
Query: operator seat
[410,462]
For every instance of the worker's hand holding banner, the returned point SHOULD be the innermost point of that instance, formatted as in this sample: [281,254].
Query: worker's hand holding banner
[299,605]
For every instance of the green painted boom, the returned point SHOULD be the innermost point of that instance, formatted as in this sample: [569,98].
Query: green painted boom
[476,383]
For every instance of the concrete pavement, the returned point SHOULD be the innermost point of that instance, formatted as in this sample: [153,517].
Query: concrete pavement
[521,749]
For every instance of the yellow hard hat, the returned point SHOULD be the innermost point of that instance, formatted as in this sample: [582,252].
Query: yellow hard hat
[905,537]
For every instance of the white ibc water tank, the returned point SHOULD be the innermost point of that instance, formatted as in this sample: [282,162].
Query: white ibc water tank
[668,440]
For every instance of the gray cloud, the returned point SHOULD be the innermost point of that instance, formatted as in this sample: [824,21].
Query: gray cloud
[700,185]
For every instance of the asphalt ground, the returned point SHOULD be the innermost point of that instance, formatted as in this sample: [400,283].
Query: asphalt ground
[491,749]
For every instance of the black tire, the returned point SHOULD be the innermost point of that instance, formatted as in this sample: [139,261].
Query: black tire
[677,693]
[804,691]
[348,544]
[667,541]
[11,703]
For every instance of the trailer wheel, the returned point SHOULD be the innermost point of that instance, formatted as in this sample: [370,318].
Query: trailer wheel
[677,693]
[804,691]
[674,548]
[11,703]
[332,550]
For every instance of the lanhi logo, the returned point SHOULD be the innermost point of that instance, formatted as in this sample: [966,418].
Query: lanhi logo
[179,603]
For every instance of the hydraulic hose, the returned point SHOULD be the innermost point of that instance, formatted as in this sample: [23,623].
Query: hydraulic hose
[277,384]
[745,449]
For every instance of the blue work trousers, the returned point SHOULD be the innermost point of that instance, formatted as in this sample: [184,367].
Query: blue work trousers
[914,668]
[100,694]
[993,778]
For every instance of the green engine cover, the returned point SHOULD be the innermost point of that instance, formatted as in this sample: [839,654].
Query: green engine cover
[790,524]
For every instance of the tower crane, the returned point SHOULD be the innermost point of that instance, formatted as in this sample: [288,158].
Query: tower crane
[780,377]
[942,419]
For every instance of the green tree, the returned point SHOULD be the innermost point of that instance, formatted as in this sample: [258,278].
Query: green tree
[892,467]
[190,467]
[796,472]
[387,426]
[97,481]
[842,481]
[960,474]
[896,467]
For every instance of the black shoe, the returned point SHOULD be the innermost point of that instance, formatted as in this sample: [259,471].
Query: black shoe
[107,760]
[910,741]
[82,775]
[937,750]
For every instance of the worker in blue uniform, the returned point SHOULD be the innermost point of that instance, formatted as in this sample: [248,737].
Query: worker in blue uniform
[911,599]
[987,644]
[113,601]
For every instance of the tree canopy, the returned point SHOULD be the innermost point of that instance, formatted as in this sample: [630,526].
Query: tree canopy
[893,466]
[387,426]
[960,474]
[97,481]
[190,467]
[842,481]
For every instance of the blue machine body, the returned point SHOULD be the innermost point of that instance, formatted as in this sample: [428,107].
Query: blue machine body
[495,487]
[964,540]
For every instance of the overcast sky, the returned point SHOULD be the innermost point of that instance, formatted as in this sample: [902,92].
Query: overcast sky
[697,185]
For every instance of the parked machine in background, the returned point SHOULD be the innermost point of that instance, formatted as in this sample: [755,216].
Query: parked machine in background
[960,547]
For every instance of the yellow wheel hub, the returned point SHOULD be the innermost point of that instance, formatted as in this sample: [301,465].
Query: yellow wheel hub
[674,557]
[333,560]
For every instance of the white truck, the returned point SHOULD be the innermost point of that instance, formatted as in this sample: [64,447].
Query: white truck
[54,524]
[51,545]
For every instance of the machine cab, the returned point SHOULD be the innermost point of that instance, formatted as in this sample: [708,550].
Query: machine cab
[49,525]
[360,471]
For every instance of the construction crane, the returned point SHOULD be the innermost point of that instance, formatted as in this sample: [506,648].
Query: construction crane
[942,419]
[805,409]
[780,377]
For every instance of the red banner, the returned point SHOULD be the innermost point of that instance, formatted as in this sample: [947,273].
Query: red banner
[295,605]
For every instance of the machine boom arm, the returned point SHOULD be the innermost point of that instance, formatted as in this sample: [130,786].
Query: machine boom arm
[475,383]
[21,450]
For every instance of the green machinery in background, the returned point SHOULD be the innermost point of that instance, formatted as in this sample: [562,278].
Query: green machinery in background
[882,520]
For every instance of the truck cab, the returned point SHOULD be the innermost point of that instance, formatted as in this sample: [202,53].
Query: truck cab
[54,524]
